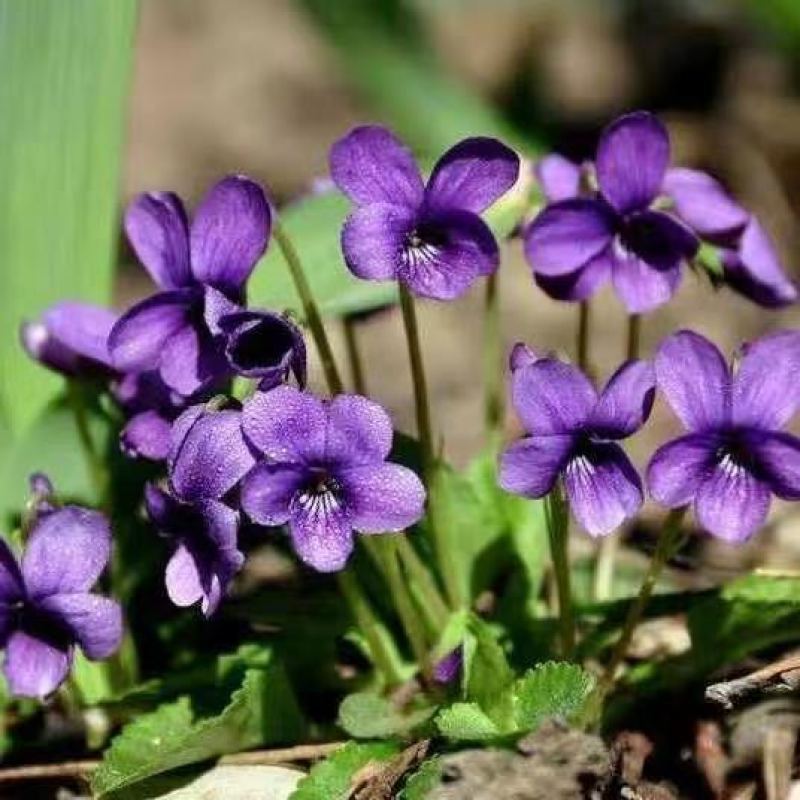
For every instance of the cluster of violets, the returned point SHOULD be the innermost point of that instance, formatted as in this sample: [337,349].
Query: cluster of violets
[319,466]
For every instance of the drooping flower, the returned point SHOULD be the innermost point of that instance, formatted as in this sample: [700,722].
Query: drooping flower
[46,606]
[201,273]
[324,473]
[71,338]
[736,454]
[573,433]
[150,407]
[208,459]
[264,345]
[429,237]
[750,263]
[575,245]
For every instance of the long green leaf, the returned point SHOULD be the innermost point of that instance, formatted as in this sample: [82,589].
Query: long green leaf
[65,67]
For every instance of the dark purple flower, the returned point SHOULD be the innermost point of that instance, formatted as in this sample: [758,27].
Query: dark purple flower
[573,433]
[208,459]
[428,236]
[576,245]
[325,473]
[448,669]
[151,407]
[201,272]
[71,338]
[522,355]
[46,607]
[749,261]
[264,345]
[736,454]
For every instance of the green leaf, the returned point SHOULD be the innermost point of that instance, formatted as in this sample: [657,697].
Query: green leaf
[423,781]
[550,690]
[252,706]
[467,722]
[487,675]
[331,779]
[366,715]
[314,225]
[66,68]
[51,445]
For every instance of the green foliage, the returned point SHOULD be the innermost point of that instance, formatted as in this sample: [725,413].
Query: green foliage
[365,715]
[331,779]
[52,445]
[492,533]
[314,225]
[421,783]
[251,705]
[66,68]
[549,690]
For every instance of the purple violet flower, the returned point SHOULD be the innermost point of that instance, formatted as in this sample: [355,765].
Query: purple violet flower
[264,345]
[46,607]
[521,355]
[749,262]
[325,473]
[450,667]
[577,244]
[71,338]
[428,236]
[735,455]
[572,434]
[201,272]
[558,177]
[151,407]
[208,459]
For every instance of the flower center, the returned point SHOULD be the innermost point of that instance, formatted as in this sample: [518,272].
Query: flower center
[322,495]
[733,458]
[422,246]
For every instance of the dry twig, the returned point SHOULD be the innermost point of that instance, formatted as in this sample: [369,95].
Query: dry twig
[782,677]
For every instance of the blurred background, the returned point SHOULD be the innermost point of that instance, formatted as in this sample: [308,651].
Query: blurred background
[265,86]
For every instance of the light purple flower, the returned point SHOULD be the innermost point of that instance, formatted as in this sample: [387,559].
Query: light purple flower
[736,454]
[749,261]
[208,459]
[71,338]
[428,236]
[201,273]
[521,355]
[573,432]
[575,245]
[558,177]
[324,473]
[46,607]
[264,345]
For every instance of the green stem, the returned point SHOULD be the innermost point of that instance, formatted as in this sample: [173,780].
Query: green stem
[425,433]
[668,542]
[419,380]
[634,336]
[368,624]
[606,557]
[354,355]
[97,468]
[558,534]
[434,605]
[310,310]
[492,366]
[582,344]
[405,606]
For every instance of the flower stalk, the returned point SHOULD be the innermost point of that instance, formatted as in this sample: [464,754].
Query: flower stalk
[668,542]
[558,535]
[94,461]
[368,625]
[493,372]
[310,309]
[582,343]
[425,433]
[350,326]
